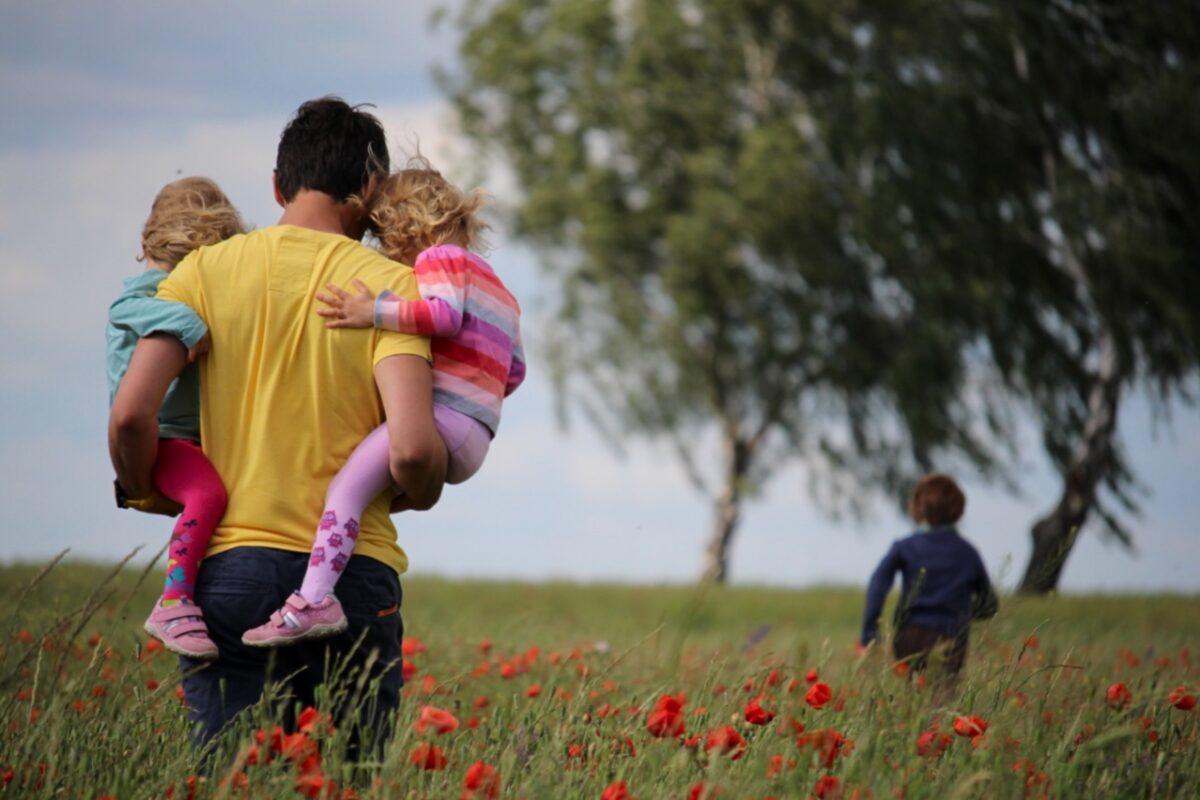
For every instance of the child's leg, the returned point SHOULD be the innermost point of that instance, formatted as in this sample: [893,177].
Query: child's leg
[467,441]
[360,481]
[184,474]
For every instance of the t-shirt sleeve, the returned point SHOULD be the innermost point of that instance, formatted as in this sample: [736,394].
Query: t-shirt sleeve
[390,343]
[183,284]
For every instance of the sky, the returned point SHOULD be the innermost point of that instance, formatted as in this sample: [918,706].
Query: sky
[104,103]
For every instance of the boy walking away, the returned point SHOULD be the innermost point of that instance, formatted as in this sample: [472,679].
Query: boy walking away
[944,584]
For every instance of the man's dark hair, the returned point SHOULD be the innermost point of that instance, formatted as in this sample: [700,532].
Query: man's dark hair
[331,147]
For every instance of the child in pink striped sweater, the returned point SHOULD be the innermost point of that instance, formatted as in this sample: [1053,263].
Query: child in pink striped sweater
[474,322]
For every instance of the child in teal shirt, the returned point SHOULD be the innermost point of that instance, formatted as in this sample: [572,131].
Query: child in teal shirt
[187,214]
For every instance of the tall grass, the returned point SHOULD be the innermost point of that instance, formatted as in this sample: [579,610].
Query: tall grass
[88,710]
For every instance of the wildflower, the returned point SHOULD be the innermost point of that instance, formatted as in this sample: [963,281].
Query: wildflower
[481,702]
[774,678]
[408,670]
[727,741]
[826,786]
[774,766]
[970,726]
[1181,699]
[485,646]
[428,756]
[900,668]
[152,685]
[575,751]
[412,647]
[692,741]
[1118,695]
[310,720]
[311,784]
[438,719]
[666,718]
[818,694]
[482,782]
[701,792]
[932,743]
[617,790]
[153,646]
[811,676]
[534,690]
[757,715]
[24,636]
[828,745]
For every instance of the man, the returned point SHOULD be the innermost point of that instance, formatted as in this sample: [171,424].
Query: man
[283,403]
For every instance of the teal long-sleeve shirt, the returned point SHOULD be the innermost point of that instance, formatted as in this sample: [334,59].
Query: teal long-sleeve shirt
[135,314]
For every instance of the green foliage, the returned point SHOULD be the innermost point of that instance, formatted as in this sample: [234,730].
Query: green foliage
[106,720]
[852,233]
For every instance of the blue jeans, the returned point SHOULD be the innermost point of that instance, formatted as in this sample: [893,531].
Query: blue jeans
[240,588]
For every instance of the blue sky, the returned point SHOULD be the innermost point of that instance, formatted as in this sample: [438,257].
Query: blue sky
[103,103]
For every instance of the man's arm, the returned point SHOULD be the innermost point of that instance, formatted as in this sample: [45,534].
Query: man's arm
[417,453]
[133,422]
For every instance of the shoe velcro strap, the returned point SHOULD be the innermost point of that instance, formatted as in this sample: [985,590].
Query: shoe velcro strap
[181,611]
[188,626]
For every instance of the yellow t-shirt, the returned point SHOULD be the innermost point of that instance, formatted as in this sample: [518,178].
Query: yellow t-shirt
[284,400]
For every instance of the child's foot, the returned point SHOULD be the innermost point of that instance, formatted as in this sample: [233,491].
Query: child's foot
[181,629]
[297,621]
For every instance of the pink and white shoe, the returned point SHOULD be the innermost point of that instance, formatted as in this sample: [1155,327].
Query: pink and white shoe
[181,629]
[298,621]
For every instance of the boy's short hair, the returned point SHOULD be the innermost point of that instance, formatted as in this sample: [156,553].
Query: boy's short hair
[332,147]
[416,208]
[186,214]
[937,500]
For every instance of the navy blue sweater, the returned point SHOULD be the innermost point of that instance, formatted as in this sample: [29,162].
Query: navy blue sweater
[944,584]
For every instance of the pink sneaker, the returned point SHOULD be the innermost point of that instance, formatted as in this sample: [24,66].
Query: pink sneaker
[298,621]
[181,629]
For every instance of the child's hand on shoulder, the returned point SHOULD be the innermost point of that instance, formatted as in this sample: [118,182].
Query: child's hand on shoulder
[348,310]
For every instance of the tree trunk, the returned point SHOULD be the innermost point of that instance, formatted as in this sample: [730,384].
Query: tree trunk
[726,509]
[1055,534]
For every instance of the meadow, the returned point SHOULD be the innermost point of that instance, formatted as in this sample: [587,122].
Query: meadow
[613,692]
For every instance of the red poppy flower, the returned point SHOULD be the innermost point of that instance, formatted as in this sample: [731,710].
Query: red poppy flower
[757,715]
[311,784]
[970,726]
[932,743]
[818,694]
[727,741]
[485,645]
[311,720]
[774,678]
[617,790]
[408,670]
[482,782]
[481,701]
[828,744]
[701,792]
[534,690]
[438,719]
[1118,695]
[428,756]
[774,766]
[1181,699]
[411,647]
[811,676]
[665,720]
[827,786]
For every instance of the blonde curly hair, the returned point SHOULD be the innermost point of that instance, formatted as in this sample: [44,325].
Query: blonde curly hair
[187,214]
[416,208]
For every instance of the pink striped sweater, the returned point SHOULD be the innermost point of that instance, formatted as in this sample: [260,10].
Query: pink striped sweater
[475,326]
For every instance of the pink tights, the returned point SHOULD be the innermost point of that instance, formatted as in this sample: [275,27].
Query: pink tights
[184,474]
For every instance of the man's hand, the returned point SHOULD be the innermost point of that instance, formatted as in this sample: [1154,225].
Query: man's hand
[200,348]
[155,503]
[348,310]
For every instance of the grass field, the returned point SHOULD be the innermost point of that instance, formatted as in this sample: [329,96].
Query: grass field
[87,710]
